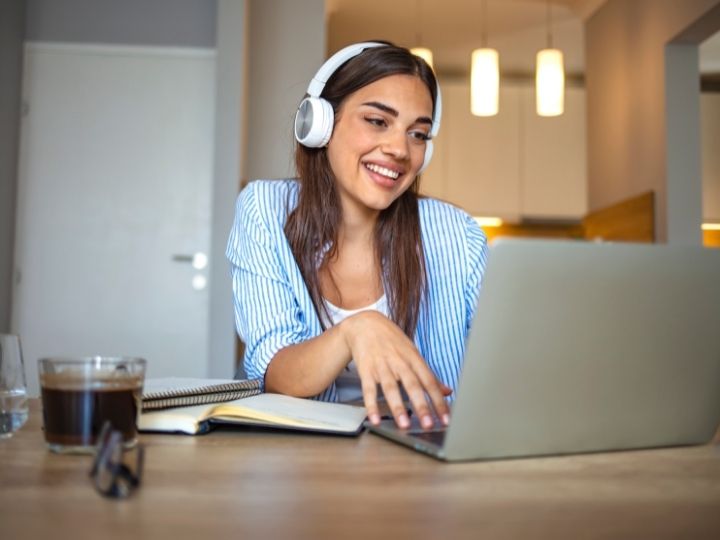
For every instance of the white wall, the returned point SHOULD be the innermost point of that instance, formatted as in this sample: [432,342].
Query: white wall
[286,47]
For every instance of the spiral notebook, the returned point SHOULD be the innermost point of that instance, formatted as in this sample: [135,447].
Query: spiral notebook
[169,392]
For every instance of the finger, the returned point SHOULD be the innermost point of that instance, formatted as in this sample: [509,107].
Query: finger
[369,390]
[391,391]
[417,397]
[437,397]
[436,392]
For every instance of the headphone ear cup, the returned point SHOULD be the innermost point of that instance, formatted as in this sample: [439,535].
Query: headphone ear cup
[314,121]
[428,156]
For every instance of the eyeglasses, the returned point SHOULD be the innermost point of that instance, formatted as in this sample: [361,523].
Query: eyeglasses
[112,477]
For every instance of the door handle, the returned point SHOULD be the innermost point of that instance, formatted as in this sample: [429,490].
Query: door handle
[198,260]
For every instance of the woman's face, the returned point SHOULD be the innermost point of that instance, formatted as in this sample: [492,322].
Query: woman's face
[378,142]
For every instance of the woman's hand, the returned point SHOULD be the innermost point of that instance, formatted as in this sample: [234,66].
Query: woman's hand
[385,356]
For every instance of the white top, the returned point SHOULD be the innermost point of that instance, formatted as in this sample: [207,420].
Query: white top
[348,382]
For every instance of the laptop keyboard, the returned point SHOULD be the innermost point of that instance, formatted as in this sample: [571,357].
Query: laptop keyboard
[435,437]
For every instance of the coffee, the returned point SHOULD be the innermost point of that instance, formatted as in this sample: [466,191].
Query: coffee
[74,416]
[79,395]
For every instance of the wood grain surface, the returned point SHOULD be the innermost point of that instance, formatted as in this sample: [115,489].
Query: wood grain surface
[248,484]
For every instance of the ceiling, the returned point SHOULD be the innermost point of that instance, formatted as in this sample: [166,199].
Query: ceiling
[453,28]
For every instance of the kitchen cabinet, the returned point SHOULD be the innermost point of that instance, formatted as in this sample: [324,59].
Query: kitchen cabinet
[515,165]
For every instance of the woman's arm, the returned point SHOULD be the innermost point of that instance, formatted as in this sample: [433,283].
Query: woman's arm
[307,368]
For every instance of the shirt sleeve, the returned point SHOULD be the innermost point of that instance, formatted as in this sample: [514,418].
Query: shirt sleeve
[267,314]
[477,259]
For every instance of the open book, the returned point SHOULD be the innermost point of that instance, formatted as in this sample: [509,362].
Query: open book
[166,392]
[267,410]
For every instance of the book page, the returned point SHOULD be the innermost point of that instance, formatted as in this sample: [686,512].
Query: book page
[292,411]
[183,419]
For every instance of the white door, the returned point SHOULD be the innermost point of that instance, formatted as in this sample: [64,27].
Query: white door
[115,178]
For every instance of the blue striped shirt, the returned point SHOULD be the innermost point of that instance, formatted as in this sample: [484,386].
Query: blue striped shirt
[273,308]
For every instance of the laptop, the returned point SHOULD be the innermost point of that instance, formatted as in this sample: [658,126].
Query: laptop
[585,347]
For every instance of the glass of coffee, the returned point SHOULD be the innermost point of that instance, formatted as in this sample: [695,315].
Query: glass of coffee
[80,394]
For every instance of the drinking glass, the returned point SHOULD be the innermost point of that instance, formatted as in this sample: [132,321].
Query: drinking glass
[80,394]
[13,396]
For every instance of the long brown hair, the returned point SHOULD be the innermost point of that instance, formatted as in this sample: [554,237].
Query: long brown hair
[312,227]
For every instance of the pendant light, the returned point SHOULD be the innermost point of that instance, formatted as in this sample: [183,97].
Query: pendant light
[421,51]
[550,76]
[484,75]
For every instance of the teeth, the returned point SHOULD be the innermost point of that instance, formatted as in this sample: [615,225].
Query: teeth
[382,170]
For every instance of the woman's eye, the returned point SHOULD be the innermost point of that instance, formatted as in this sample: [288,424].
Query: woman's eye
[379,122]
[420,136]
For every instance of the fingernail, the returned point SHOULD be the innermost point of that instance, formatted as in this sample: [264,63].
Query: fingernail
[446,419]
[403,421]
[375,419]
[426,422]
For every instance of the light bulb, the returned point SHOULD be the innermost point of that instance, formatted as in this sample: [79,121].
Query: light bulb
[550,83]
[484,82]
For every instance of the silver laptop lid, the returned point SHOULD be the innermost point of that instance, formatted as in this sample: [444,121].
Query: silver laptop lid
[584,347]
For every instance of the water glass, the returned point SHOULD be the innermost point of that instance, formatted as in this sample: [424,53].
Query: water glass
[13,397]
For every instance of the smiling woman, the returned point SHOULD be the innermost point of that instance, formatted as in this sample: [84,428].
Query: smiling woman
[345,280]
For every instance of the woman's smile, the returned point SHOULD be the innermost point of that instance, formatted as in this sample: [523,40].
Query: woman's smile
[383,171]
[385,176]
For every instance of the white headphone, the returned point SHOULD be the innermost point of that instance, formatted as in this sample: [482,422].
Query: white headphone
[315,117]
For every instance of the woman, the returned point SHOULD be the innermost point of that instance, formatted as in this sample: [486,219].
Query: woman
[345,280]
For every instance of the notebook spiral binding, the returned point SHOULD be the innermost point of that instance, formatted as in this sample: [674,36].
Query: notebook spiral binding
[185,397]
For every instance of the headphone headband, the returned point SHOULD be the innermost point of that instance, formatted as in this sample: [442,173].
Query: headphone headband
[317,84]
[437,111]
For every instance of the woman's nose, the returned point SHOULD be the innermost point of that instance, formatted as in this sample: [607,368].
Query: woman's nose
[396,144]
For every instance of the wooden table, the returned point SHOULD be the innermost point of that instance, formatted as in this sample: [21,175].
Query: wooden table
[245,484]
